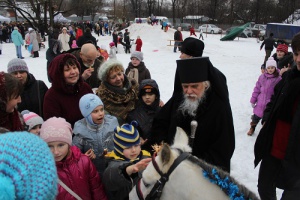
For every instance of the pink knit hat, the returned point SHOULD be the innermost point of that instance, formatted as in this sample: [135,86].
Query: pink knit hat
[56,130]
[31,119]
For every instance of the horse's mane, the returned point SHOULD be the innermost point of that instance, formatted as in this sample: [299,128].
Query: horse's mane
[221,178]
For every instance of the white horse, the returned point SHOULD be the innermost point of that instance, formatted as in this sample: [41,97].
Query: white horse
[189,179]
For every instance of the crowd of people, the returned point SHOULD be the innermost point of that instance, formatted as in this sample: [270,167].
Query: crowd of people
[100,118]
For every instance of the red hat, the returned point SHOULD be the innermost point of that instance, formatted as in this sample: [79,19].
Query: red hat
[283,48]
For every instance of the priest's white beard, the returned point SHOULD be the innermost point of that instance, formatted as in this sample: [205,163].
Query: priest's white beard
[189,107]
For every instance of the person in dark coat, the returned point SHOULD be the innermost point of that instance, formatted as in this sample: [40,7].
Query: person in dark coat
[90,62]
[278,143]
[34,90]
[126,162]
[53,51]
[115,38]
[127,41]
[86,38]
[62,99]
[136,68]
[205,100]
[147,108]
[283,58]
[269,45]
[178,39]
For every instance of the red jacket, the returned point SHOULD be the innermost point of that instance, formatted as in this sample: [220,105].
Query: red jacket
[79,173]
[139,44]
[79,33]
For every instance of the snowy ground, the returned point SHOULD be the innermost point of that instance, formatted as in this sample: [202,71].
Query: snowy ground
[239,60]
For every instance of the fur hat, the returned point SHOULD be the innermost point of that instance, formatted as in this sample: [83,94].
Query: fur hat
[125,136]
[283,48]
[192,47]
[271,62]
[138,55]
[88,103]
[193,70]
[27,167]
[106,66]
[17,64]
[31,119]
[30,29]
[56,129]
[111,44]
[16,28]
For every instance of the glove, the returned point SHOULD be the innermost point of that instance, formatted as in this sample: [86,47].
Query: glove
[253,105]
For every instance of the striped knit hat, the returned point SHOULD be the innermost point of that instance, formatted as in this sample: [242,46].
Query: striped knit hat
[27,167]
[125,136]
[31,119]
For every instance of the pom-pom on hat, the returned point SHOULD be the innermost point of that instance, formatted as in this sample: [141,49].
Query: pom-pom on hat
[56,130]
[27,167]
[138,55]
[31,119]
[16,64]
[88,103]
[125,136]
[271,62]
[111,44]
[283,48]
[192,47]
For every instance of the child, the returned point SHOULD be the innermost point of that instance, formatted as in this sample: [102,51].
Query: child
[126,164]
[139,44]
[192,31]
[147,107]
[75,170]
[263,91]
[136,68]
[32,121]
[201,34]
[27,169]
[10,91]
[95,131]
[112,51]
[74,45]
[103,52]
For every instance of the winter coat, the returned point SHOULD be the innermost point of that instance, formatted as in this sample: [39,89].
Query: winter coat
[79,33]
[178,36]
[62,100]
[33,95]
[80,175]
[64,38]
[139,44]
[214,138]
[93,80]
[119,101]
[98,138]
[144,114]
[52,52]
[113,52]
[115,179]
[33,41]
[86,38]
[283,62]
[144,72]
[17,38]
[263,91]
[269,44]
[115,38]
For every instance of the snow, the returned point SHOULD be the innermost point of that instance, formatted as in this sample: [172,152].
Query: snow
[239,60]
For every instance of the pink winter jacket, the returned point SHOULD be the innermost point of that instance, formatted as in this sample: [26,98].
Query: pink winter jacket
[80,175]
[263,91]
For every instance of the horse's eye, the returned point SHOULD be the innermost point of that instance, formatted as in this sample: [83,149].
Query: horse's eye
[145,184]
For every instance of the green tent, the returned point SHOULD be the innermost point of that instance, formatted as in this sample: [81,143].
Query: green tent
[234,32]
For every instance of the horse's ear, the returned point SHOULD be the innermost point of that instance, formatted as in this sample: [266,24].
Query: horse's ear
[165,154]
[181,140]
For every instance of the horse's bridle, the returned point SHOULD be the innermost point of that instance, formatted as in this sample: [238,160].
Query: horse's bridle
[156,191]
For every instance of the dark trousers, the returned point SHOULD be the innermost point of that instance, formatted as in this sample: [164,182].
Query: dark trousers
[268,54]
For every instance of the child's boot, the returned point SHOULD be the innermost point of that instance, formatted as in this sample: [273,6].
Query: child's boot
[252,128]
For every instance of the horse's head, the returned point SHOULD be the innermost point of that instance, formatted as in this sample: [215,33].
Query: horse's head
[163,161]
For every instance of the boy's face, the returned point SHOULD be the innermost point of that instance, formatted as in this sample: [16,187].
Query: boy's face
[132,152]
[149,98]
[297,59]
[98,115]
[135,62]
[36,129]
[59,150]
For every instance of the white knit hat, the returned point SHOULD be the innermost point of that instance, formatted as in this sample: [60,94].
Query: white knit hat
[106,66]
[271,62]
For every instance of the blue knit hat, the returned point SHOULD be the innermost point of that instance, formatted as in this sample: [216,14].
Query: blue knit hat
[27,167]
[125,136]
[88,103]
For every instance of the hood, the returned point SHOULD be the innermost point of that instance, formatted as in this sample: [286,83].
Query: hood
[57,76]
[152,83]
[73,157]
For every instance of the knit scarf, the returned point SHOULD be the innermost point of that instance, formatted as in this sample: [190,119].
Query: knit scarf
[119,101]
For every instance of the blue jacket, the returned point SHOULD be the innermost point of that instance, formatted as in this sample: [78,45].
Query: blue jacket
[17,38]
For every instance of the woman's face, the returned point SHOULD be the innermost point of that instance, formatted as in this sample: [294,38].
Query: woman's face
[71,74]
[116,78]
[12,103]
[280,54]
